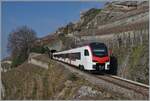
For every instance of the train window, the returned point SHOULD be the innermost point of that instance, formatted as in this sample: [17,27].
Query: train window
[67,55]
[71,56]
[63,55]
[79,56]
[55,56]
[86,52]
[74,56]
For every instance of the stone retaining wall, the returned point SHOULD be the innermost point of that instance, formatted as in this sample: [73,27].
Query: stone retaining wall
[32,59]
[127,38]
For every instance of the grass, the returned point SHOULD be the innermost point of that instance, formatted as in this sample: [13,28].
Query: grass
[31,82]
[72,77]
[136,67]
[34,92]
[45,86]
[139,65]
[15,80]
[136,54]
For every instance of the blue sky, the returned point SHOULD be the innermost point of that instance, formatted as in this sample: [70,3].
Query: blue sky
[43,17]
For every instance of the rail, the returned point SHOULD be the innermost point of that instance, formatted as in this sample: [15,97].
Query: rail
[128,88]
[128,84]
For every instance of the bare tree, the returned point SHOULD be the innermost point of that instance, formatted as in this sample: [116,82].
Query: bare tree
[20,41]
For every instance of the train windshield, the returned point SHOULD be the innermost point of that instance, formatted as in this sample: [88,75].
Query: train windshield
[99,49]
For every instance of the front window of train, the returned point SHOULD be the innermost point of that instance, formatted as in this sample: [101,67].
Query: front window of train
[99,50]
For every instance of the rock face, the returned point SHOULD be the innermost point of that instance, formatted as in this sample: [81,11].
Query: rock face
[6,65]
[55,45]
[87,91]
[109,21]
[123,26]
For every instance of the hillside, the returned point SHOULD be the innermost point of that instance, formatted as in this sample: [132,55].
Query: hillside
[32,82]
[123,27]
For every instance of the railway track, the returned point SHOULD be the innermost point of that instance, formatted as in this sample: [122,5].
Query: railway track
[127,84]
[128,88]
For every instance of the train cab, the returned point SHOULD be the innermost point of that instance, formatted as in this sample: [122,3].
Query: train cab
[100,56]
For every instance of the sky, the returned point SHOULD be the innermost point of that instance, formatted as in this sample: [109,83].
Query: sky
[43,17]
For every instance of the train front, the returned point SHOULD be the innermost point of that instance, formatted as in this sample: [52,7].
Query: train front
[100,56]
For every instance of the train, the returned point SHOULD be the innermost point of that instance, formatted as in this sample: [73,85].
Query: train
[92,57]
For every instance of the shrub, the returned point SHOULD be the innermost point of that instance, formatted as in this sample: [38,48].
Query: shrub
[20,42]
[40,49]
[18,60]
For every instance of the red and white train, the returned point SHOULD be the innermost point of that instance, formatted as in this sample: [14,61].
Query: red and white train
[93,56]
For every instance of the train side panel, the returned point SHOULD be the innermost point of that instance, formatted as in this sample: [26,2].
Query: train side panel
[85,61]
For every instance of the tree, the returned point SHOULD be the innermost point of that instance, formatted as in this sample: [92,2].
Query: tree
[20,41]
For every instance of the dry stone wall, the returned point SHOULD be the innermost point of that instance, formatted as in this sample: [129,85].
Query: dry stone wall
[128,47]
[39,62]
[129,38]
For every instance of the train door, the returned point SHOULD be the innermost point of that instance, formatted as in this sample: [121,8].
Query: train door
[86,59]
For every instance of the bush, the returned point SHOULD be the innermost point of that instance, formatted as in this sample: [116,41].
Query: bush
[20,42]
[39,49]
[18,60]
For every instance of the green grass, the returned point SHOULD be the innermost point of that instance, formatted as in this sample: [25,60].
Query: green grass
[136,67]
[139,64]
[136,54]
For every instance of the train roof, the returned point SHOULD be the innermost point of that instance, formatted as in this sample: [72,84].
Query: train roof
[96,43]
[88,44]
